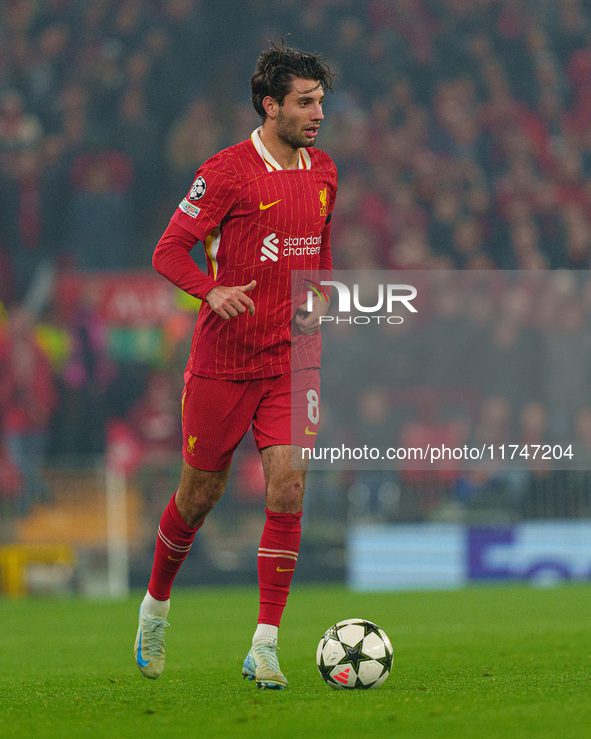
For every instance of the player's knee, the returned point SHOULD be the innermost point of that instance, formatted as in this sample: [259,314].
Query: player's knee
[198,492]
[286,495]
[194,505]
[203,503]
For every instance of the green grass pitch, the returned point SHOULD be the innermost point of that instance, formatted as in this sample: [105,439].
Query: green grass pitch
[482,662]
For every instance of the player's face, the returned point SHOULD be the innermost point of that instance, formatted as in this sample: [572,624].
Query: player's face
[299,117]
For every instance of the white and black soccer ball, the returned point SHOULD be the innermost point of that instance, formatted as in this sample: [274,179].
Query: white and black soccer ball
[354,654]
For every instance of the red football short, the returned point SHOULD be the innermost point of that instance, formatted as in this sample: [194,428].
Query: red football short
[217,413]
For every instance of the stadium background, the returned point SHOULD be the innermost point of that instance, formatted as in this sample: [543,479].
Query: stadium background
[462,134]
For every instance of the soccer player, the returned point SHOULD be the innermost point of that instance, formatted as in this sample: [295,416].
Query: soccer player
[262,209]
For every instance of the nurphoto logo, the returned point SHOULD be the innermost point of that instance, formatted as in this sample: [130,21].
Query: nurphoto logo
[387,299]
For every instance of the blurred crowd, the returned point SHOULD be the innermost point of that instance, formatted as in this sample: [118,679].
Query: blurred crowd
[461,130]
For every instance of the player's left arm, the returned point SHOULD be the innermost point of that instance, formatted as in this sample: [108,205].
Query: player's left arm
[308,322]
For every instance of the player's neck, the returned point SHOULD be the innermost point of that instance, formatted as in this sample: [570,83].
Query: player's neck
[284,154]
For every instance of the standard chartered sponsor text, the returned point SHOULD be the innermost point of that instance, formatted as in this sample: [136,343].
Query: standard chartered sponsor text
[441,453]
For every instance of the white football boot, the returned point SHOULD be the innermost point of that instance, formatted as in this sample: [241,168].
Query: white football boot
[261,664]
[149,645]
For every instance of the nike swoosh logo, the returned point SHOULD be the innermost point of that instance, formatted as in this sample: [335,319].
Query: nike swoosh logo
[264,207]
[279,569]
[310,433]
[172,559]
[138,658]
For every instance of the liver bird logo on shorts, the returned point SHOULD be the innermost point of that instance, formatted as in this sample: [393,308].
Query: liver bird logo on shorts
[191,444]
[323,195]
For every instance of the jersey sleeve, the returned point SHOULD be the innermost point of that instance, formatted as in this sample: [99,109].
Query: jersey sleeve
[333,187]
[213,192]
[325,263]
[172,260]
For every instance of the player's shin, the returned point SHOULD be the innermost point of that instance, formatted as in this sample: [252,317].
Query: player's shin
[277,557]
[173,544]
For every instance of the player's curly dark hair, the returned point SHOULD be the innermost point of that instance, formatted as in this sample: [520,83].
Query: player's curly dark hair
[277,66]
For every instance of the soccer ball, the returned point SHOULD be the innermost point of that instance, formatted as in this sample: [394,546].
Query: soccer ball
[354,654]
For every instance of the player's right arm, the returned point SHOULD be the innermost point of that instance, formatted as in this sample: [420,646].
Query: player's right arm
[213,193]
[228,302]
[172,260]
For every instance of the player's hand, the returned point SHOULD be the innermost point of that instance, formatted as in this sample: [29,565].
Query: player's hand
[229,302]
[308,323]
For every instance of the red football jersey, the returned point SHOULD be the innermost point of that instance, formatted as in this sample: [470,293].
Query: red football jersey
[256,221]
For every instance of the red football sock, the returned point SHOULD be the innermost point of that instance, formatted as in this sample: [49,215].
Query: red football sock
[172,547]
[278,554]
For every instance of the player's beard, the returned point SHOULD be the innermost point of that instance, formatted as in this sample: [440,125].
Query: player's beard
[290,133]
